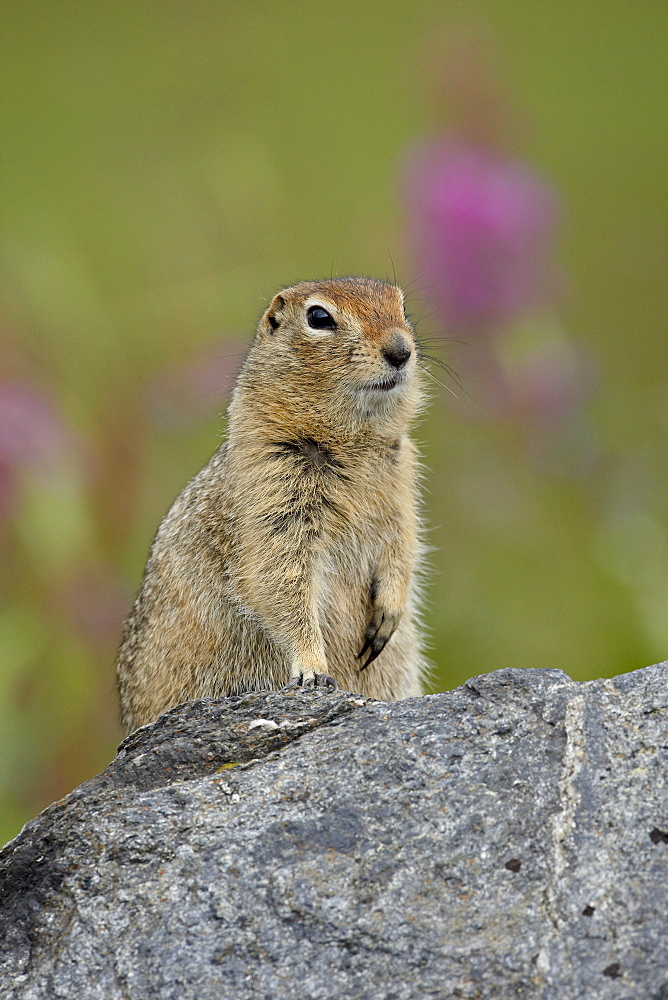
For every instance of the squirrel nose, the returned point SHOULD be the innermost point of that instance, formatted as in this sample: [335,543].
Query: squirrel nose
[397,352]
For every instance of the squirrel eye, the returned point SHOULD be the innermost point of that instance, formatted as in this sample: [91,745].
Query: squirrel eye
[319,319]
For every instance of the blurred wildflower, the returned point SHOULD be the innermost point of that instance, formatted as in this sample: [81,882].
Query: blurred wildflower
[32,438]
[483,231]
[97,601]
[182,394]
[543,377]
[483,227]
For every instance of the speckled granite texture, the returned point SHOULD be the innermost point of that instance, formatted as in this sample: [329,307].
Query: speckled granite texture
[505,840]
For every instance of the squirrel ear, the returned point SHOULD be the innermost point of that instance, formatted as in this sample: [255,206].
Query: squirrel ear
[275,312]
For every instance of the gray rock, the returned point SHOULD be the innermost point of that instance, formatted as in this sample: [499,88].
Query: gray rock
[505,840]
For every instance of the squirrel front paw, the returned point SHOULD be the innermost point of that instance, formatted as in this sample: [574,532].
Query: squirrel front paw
[311,681]
[378,633]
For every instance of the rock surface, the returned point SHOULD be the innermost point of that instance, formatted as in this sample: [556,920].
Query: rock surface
[505,840]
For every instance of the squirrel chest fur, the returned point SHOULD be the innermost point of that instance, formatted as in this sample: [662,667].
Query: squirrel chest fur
[290,559]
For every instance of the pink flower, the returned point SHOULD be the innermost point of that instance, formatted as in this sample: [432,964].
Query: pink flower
[181,395]
[542,377]
[97,601]
[483,232]
[31,437]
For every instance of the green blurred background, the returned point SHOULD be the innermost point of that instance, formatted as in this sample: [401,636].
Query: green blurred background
[167,166]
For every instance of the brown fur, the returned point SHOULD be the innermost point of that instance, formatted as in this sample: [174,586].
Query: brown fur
[297,544]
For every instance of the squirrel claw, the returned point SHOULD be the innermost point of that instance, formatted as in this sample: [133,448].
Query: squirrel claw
[323,681]
[379,632]
[312,682]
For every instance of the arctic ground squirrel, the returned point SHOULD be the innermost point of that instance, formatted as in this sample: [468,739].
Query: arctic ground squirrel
[290,560]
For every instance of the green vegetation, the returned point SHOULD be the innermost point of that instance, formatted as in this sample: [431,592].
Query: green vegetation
[165,168]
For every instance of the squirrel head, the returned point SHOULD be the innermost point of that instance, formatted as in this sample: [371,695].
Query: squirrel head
[341,352]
